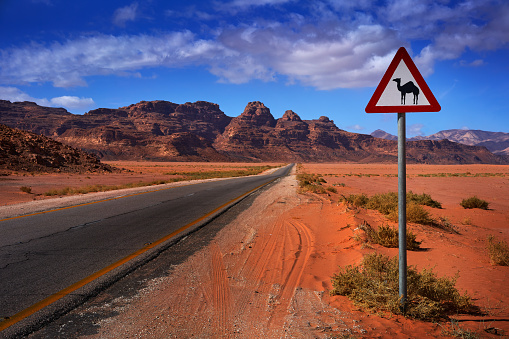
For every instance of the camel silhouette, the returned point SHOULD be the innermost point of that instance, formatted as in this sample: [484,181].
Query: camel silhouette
[409,87]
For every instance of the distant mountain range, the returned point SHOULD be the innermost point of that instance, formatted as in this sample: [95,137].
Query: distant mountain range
[200,131]
[495,142]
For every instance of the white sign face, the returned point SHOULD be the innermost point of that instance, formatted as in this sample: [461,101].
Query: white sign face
[402,92]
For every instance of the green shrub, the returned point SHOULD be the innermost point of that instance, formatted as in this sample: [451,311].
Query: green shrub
[358,200]
[498,251]
[474,202]
[314,189]
[388,236]
[313,183]
[387,204]
[384,203]
[332,189]
[374,285]
[414,213]
[422,199]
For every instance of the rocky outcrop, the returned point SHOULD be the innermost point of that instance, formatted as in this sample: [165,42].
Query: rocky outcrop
[26,151]
[200,131]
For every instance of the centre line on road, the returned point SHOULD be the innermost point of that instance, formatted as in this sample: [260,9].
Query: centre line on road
[66,291]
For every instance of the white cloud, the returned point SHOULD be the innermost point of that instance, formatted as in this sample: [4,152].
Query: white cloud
[14,94]
[72,102]
[334,45]
[475,63]
[415,129]
[68,63]
[124,14]
[356,127]
[241,5]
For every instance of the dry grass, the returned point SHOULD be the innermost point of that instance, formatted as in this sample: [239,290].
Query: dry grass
[103,188]
[374,285]
[388,236]
[26,189]
[498,251]
[252,170]
[176,176]
[387,204]
[312,183]
[474,202]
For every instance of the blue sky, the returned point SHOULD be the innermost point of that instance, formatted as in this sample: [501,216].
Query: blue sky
[322,57]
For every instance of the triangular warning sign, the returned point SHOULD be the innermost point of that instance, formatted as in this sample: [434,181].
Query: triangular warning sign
[402,89]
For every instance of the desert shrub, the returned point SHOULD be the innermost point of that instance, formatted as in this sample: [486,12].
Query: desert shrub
[417,214]
[384,203]
[387,204]
[498,251]
[313,183]
[314,189]
[332,189]
[374,285]
[457,331]
[358,200]
[474,202]
[306,179]
[388,236]
[26,189]
[422,199]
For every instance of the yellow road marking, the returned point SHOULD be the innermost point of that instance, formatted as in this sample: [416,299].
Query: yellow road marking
[59,295]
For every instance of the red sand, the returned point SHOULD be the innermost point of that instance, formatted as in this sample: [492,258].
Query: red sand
[268,273]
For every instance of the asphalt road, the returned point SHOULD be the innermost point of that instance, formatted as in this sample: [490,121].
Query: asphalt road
[43,254]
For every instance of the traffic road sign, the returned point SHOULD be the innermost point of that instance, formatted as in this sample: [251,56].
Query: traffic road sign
[402,89]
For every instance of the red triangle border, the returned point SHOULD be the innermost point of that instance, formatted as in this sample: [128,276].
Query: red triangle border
[402,54]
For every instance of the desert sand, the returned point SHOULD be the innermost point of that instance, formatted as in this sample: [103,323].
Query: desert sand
[268,273]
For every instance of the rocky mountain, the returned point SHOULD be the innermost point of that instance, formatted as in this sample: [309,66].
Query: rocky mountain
[383,135]
[26,151]
[146,130]
[495,142]
[200,131]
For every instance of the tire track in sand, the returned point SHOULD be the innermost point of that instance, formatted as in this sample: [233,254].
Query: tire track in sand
[301,252]
[221,296]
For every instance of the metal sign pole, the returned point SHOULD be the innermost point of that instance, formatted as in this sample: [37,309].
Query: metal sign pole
[402,209]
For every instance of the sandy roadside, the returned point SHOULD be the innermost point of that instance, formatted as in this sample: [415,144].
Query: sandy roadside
[266,274]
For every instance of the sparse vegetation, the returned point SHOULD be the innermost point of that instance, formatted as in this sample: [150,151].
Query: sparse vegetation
[388,236]
[498,251]
[331,189]
[102,188]
[182,177]
[374,285]
[387,204]
[252,170]
[466,174]
[26,189]
[313,183]
[467,221]
[474,202]
[422,199]
[455,330]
